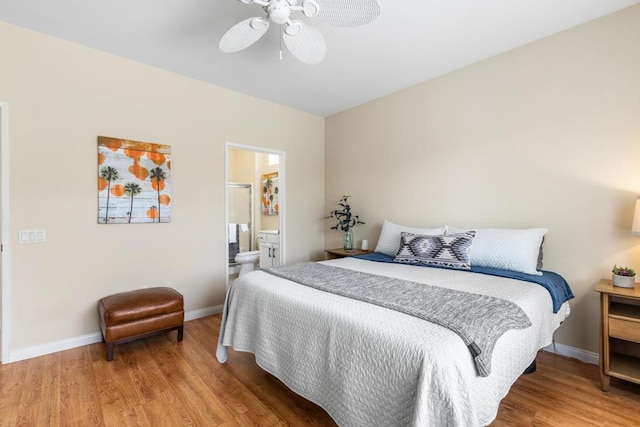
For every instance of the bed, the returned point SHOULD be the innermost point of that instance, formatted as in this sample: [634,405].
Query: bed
[366,364]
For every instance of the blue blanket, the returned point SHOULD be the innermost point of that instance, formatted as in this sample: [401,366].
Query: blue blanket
[555,284]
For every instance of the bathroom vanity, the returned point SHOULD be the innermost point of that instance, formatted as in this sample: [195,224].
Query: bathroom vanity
[269,243]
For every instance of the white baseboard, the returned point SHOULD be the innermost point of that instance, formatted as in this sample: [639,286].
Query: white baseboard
[575,353]
[203,312]
[54,347]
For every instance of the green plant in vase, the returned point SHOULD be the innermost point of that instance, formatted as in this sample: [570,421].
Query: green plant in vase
[623,277]
[346,221]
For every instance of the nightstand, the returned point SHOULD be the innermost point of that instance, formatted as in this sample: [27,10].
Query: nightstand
[619,333]
[342,253]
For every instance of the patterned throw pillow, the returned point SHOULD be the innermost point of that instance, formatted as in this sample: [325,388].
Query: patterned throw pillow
[451,250]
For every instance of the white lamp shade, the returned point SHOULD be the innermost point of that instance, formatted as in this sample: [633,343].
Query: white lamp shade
[635,229]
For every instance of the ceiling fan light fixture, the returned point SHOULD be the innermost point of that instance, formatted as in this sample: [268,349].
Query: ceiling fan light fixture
[303,41]
[293,28]
[279,11]
[258,23]
[310,8]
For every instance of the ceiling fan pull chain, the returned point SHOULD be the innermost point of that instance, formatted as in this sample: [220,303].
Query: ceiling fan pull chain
[281,37]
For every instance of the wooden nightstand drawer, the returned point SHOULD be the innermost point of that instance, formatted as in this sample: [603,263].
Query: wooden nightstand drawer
[624,329]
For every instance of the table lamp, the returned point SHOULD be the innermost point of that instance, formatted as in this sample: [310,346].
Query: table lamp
[635,229]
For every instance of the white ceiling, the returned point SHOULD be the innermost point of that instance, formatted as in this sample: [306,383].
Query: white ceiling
[412,41]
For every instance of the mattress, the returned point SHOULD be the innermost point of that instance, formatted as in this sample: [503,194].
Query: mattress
[368,365]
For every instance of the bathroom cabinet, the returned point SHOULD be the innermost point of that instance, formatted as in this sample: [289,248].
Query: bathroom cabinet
[269,249]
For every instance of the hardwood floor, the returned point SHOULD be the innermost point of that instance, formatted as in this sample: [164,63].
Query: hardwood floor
[159,382]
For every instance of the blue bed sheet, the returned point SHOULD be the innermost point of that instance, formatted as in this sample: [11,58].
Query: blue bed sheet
[555,284]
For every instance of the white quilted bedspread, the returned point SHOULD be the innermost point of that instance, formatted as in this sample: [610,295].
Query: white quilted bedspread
[370,366]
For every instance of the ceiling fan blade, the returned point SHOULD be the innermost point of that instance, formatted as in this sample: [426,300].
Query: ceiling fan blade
[347,13]
[243,34]
[305,42]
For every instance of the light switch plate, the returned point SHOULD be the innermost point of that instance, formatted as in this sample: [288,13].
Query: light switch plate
[32,236]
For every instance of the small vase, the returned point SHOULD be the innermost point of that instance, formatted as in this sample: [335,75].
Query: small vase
[624,281]
[347,240]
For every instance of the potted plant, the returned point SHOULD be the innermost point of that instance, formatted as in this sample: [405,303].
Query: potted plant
[346,221]
[623,277]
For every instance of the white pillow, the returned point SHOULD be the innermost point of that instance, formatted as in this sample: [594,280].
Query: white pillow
[507,249]
[389,240]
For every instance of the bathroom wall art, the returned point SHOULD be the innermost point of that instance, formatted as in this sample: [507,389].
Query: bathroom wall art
[270,190]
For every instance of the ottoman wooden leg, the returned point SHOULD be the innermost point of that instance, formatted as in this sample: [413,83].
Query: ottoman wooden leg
[109,352]
[180,332]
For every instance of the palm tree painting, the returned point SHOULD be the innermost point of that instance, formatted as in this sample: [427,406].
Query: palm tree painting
[129,170]
[270,202]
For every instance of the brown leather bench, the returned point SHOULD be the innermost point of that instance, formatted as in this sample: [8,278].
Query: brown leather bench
[129,316]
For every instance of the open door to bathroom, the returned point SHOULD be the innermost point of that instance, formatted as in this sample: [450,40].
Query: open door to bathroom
[246,169]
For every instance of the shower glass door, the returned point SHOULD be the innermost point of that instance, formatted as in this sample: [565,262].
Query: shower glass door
[240,215]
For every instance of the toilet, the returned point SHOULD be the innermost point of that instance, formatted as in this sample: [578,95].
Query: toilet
[247,261]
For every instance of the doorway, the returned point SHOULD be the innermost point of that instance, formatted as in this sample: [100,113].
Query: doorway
[4,223]
[254,203]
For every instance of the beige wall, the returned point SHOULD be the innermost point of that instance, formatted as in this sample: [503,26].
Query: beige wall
[547,135]
[61,97]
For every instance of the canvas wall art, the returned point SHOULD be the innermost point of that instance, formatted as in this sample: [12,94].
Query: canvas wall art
[134,181]
[270,190]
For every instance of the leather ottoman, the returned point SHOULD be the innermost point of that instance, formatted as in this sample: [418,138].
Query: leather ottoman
[132,315]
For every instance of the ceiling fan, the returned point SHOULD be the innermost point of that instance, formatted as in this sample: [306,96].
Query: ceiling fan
[303,41]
